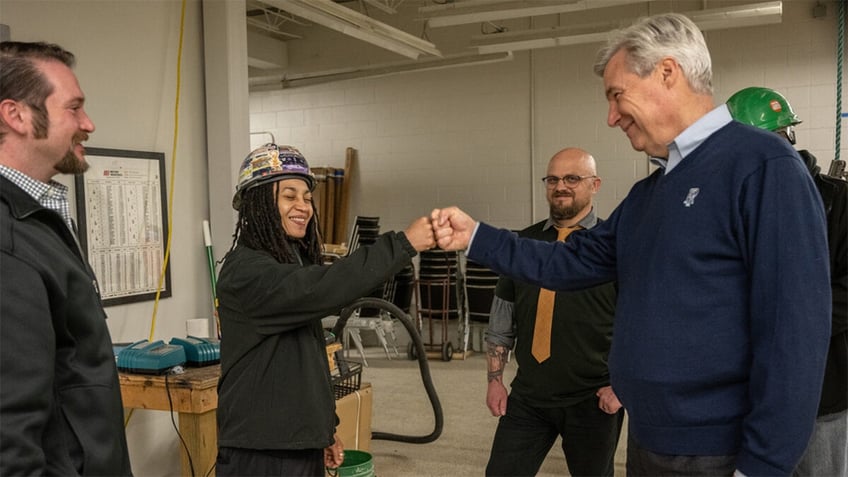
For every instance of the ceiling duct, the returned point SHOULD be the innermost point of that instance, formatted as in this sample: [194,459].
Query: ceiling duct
[352,23]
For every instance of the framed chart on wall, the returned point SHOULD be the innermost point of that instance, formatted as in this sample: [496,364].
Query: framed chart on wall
[123,223]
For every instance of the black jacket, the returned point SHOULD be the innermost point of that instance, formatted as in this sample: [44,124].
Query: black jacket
[834,193]
[60,400]
[275,390]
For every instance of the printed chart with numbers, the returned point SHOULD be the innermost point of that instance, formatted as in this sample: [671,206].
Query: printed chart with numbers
[124,224]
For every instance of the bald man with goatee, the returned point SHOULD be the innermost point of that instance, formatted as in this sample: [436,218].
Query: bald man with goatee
[561,342]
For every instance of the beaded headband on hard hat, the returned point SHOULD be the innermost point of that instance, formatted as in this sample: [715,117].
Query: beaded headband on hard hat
[270,163]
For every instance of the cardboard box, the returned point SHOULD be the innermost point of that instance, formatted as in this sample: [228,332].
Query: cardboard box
[354,411]
[331,354]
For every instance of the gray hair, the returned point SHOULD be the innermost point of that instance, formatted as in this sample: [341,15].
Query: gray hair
[651,39]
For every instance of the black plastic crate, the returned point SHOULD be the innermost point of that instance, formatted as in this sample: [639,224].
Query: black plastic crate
[347,377]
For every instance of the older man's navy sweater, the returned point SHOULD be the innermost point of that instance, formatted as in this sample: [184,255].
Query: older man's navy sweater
[723,314]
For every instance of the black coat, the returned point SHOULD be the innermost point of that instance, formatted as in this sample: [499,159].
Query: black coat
[275,390]
[60,400]
[834,193]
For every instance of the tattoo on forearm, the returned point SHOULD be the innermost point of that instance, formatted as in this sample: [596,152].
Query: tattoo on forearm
[496,358]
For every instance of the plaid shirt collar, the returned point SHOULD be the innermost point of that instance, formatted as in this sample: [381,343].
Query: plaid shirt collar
[51,195]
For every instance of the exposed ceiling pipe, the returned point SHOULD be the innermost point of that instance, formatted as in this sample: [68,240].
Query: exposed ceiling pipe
[709,19]
[478,12]
[284,81]
[352,23]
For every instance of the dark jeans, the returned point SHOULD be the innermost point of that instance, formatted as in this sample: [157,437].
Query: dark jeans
[526,434]
[234,462]
[644,463]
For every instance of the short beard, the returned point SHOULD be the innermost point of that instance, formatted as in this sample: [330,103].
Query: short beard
[71,164]
[563,213]
[568,212]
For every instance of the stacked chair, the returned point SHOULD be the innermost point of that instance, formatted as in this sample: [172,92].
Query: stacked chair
[364,232]
[480,284]
[440,298]
[398,290]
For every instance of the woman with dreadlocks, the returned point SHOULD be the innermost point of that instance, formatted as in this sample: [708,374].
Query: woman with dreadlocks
[276,406]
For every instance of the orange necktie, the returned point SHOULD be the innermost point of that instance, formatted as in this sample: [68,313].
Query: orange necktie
[541,348]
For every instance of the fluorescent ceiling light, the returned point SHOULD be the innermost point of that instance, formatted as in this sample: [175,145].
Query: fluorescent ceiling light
[460,13]
[462,5]
[739,16]
[284,81]
[352,23]
[709,19]
[540,38]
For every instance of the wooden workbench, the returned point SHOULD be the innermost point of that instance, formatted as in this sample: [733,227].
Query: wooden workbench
[194,396]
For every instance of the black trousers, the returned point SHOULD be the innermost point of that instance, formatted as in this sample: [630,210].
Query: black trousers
[235,462]
[644,463]
[526,434]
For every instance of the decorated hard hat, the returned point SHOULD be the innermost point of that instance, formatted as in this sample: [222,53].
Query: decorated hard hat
[762,107]
[271,163]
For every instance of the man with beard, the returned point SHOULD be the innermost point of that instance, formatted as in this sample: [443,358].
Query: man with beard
[561,342]
[60,401]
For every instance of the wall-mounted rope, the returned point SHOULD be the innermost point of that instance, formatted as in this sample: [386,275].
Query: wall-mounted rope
[840,40]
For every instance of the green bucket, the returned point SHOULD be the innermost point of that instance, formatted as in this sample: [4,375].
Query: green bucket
[356,463]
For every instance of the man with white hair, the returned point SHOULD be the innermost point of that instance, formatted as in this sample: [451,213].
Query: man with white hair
[723,312]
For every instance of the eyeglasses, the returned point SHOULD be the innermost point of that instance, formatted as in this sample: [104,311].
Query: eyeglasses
[570,180]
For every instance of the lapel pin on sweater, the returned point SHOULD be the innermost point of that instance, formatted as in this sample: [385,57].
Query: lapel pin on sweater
[690,198]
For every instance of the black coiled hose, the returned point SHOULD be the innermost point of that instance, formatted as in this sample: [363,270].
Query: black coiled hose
[423,366]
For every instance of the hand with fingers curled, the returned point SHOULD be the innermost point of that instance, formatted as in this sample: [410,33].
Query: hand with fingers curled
[420,234]
[496,398]
[452,228]
[607,400]
[334,455]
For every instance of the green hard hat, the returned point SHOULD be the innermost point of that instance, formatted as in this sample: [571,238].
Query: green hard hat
[762,107]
